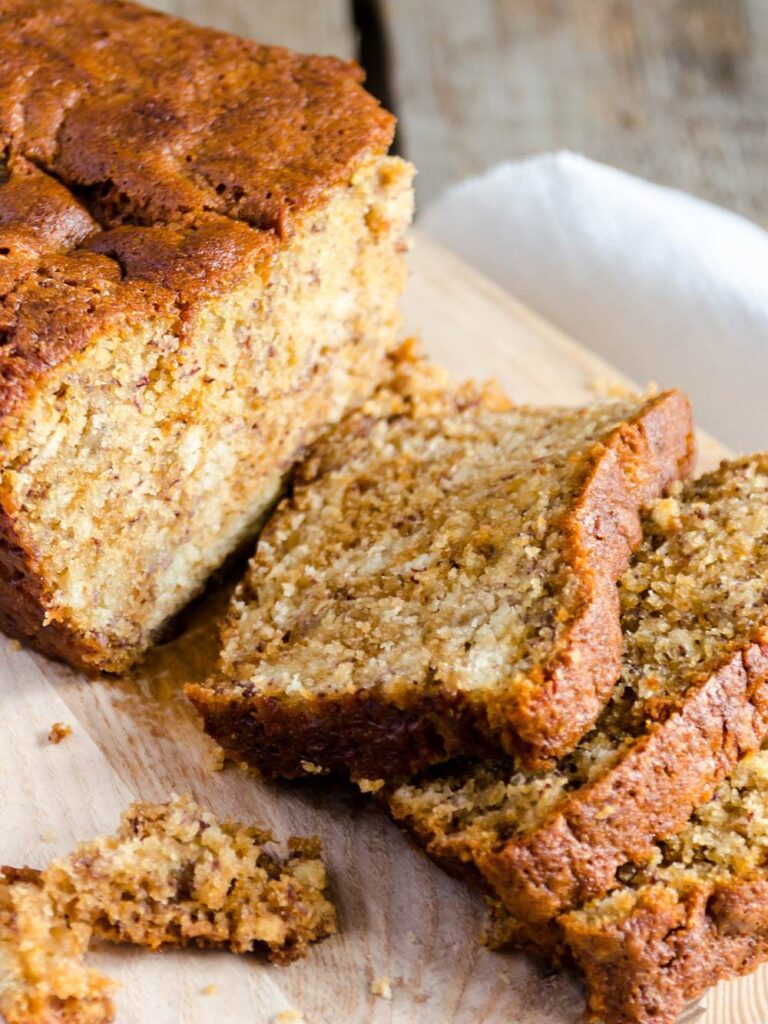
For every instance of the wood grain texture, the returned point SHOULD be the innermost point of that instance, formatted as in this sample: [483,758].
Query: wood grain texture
[313,26]
[401,917]
[674,90]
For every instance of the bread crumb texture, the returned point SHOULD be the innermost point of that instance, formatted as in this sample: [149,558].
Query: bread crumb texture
[693,600]
[442,555]
[698,909]
[171,876]
[43,979]
[177,323]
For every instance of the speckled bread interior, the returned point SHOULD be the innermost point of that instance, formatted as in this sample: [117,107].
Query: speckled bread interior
[441,579]
[201,252]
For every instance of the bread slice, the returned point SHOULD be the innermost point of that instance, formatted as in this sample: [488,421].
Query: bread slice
[173,875]
[692,700]
[441,578]
[43,979]
[696,914]
[201,252]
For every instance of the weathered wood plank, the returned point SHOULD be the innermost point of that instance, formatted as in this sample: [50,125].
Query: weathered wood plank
[675,90]
[312,26]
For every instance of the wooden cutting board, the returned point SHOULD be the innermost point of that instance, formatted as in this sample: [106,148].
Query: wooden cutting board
[401,918]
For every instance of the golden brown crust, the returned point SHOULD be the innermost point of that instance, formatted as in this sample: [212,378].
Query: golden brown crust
[372,735]
[643,967]
[178,153]
[574,854]
[636,463]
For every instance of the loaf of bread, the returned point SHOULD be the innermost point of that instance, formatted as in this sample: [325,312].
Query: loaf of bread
[441,579]
[201,250]
[172,875]
[692,700]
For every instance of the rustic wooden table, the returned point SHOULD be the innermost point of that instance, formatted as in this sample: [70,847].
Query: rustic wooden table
[675,90]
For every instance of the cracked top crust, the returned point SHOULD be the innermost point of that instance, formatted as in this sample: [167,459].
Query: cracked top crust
[147,161]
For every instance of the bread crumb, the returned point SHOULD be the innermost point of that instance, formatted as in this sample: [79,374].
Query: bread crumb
[370,785]
[59,732]
[666,514]
[311,768]
[16,644]
[210,990]
[216,759]
[289,1017]
[382,987]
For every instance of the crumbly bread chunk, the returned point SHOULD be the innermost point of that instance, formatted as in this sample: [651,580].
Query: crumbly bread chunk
[696,914]
[172,876]
[43,979]
[201,252]
[691,701]
[442,577]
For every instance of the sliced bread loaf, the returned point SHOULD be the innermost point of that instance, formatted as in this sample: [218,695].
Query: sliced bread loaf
[442,577]
[693,698]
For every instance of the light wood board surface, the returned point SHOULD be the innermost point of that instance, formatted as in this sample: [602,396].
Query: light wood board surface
[401,918]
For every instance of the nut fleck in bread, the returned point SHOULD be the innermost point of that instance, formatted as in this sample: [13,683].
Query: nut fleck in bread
[173,875]
[696,914]
[442,577]
[692,700]
[43,979]
[201,249]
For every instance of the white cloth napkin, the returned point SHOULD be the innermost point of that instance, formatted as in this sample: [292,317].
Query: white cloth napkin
[668,288]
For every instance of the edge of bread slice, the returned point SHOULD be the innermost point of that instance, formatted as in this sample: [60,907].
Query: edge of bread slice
[441,579]
[696,915]
[693,699]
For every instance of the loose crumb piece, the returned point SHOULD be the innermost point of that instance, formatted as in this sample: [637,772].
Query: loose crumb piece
[59,731]
[171,875]
[16,644]
[382,987]
[289,1017]
[210,990]
[370,785]
[43,979]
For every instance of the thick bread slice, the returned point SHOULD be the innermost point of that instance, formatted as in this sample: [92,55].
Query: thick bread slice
[441,579]
[695,916]
[692,700]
